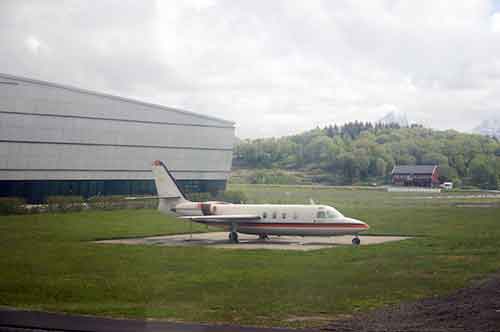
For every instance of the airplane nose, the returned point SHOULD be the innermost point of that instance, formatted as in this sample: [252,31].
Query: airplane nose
[365,225]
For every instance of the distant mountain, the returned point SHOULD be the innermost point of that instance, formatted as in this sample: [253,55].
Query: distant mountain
[488,128]
[393,117]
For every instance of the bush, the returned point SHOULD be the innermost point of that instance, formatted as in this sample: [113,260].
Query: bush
[329,179]
[11,205]
[273,177]
[232,196]
[200,197]
[120,202]
[469,187]
[65,203]
[105,202]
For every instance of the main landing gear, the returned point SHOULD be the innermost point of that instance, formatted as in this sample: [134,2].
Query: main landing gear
[233,233]
[356,241]
[233,237]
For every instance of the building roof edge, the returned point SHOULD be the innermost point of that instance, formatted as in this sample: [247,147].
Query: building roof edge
[110,96]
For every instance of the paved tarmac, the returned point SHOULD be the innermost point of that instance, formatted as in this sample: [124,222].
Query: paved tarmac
[31,321]
[220,240]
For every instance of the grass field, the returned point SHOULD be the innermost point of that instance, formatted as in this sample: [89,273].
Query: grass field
[48,262]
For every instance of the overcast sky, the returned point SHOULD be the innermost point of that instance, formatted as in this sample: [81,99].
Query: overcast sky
[273,67]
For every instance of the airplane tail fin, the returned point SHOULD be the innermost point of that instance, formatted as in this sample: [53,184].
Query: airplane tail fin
[169,193]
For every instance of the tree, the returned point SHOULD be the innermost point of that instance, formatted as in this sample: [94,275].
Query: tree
[359,150]
[380,167]
[482,172]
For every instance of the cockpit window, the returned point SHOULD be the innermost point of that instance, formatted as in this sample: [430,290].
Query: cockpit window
[328,213]
[321,215]
[332,213]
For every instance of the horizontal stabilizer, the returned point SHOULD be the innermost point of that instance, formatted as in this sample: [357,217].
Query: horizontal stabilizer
[148,197]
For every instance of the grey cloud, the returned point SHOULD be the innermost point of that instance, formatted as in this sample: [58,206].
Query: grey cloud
[275,67]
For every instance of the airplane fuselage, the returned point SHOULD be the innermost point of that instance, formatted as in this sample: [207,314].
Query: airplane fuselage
[276,219]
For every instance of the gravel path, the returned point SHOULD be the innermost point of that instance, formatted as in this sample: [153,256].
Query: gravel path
[476,308]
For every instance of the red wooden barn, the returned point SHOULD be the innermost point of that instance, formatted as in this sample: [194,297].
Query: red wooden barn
[416,175]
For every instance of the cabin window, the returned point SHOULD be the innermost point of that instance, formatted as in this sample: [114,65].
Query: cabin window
[275,214]
[283,215]
[321,215]
[264,215]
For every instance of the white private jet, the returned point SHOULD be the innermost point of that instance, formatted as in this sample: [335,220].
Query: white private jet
[258,219]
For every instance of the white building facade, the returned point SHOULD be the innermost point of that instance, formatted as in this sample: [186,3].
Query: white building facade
[60,140]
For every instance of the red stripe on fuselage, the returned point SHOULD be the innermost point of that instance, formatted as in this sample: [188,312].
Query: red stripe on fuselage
[304,225]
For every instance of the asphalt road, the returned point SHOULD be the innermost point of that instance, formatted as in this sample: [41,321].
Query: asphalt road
[23,320]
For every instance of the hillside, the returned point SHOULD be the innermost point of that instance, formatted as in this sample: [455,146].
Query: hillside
[362,152]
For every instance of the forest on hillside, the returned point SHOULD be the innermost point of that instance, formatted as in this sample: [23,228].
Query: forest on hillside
[361,152]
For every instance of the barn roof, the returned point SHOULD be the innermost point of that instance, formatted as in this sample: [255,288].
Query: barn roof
[414,169]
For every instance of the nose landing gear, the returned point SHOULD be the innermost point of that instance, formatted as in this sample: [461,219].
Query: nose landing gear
[356,241]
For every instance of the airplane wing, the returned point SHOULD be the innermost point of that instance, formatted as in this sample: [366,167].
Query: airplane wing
[224,219]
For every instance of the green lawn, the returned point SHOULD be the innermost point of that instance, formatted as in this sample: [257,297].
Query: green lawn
[48,262]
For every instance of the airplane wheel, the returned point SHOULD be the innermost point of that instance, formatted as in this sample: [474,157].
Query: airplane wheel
[356,241]
[233,237]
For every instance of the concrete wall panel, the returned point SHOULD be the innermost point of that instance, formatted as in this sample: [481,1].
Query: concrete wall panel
[26,156]
[22,127]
